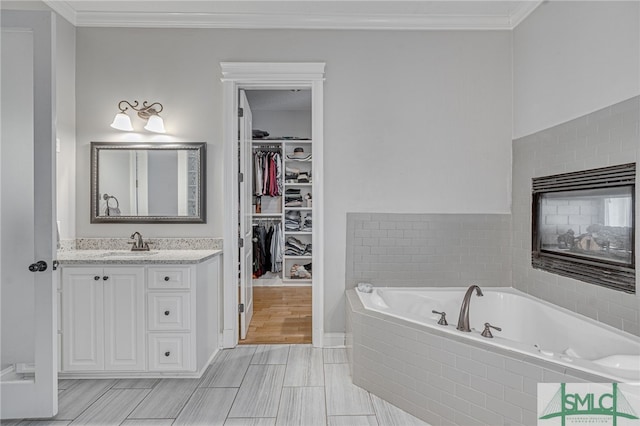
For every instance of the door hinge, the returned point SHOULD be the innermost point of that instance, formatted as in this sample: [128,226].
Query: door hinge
[240,242]
[241,177]
[241,307]
[240,112]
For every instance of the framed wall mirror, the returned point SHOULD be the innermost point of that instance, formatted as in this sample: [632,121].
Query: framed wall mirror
[148,182]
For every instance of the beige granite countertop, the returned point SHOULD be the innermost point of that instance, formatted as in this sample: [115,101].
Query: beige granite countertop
[127,257]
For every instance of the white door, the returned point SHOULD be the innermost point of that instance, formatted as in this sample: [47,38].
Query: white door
[27,214]
[124,339]
[246,232]
[82,319]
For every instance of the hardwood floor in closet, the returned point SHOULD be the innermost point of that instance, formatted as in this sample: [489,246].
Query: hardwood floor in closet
[280,315]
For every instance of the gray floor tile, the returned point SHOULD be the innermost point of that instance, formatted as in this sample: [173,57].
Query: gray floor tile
[271,354]
[39,423]
[166,399]
[148,422]
[256,421]
[79,396]
[228,368]
[207,407]
[343,397]
[112,407]
[305,367]
[393,416]
[260,392]
[352,421]
[135,384]
[302,406]
[335,356]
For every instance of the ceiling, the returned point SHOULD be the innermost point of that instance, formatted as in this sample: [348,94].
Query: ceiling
[298,14]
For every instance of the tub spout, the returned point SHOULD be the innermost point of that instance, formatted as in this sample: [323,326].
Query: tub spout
[463,318]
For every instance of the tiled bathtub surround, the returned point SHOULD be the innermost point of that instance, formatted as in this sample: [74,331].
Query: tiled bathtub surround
[606,137]
[158,243]
[441,250]
[444,379]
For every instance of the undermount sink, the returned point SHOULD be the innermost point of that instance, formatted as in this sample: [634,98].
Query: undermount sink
[129,253]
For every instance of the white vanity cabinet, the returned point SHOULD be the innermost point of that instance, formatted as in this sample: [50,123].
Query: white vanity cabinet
[139,320]
[103,319]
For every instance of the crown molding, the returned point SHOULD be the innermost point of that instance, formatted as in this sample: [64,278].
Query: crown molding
[525,10]
[63,9]
[267,20]
[258,71]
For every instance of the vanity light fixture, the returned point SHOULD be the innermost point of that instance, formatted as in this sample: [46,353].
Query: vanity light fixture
[147,111]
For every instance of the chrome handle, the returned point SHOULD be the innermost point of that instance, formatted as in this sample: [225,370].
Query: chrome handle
[487,330]
[443,317]
[167,353]
[166,313]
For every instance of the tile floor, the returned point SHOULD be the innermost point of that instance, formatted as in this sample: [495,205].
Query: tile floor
[263,385]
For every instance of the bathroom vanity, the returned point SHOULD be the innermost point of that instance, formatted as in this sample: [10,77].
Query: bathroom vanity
[138,314]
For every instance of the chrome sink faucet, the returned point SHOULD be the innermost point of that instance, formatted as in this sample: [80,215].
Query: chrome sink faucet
[138,242]
[463,319]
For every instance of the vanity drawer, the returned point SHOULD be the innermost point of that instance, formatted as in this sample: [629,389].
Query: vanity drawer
[169,277]
[169,311]
[169,351]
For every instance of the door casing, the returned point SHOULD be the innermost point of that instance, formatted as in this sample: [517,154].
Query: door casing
[263,76]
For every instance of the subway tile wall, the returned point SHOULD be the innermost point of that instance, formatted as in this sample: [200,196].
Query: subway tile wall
[606,137]
[439,250]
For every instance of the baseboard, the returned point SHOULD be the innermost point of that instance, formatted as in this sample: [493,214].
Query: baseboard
[333,340]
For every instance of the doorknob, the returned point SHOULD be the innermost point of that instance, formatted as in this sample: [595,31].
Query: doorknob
[39,266]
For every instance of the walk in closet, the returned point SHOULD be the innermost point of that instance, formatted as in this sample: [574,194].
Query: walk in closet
[281,181]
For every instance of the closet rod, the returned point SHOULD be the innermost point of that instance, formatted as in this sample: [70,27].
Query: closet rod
[262,147]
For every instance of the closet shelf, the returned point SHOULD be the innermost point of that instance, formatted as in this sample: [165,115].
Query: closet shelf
[298,208]
[269,141]
[298,232]
[266,214]
[298,184]
[288,256]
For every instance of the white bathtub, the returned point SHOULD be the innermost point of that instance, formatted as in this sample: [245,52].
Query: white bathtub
[529,326]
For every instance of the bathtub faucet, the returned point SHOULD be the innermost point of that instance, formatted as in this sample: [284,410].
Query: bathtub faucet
[463,319]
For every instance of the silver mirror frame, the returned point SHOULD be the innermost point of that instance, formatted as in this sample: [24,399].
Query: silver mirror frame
[200,147]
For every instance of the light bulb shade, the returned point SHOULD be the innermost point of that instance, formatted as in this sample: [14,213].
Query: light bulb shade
[155,124]
[122,122]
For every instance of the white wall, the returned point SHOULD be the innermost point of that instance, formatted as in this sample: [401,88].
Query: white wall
[283,123]
[572,58]
[414,121]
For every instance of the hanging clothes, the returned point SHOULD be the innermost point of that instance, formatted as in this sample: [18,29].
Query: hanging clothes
[277,245]
[267,173]
[268,248]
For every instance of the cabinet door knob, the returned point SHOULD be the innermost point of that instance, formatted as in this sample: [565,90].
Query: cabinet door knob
[166,278]
[96,278]
[167,313]
[105,278]
[167,353]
